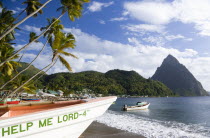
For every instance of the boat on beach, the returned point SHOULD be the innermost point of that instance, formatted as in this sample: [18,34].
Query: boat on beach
[30,99]
[10,101]
[138,106]
[51,119]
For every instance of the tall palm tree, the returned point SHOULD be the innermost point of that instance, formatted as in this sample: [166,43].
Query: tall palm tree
[60,44]
[6,18]
[55,27]
[32,6]
[10,66]
[32,36]
[74,9]
[23,20]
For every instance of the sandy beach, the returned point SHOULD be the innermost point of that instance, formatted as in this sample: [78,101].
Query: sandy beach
[98,130]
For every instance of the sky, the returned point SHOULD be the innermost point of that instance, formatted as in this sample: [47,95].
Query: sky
[127,34]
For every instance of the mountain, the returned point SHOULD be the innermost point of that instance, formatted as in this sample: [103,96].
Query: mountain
[135,84]
[178,78]
[116,82]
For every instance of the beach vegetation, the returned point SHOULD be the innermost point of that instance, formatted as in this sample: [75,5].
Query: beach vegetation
[57,40]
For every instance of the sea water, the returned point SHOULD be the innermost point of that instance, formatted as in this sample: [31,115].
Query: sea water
[172,117]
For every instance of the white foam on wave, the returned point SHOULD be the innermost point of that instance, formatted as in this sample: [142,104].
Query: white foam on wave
[152,128]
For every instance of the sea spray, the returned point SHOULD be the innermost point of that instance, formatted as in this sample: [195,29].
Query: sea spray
[151,128]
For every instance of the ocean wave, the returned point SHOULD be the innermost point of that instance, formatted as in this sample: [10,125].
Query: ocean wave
[151,128]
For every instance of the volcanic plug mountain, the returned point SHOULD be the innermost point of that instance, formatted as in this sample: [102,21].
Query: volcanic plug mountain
[178,78]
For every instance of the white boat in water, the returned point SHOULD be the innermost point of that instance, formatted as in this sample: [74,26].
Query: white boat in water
[138,106]
[66,119]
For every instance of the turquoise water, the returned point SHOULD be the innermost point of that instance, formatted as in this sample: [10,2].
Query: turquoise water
[173,117]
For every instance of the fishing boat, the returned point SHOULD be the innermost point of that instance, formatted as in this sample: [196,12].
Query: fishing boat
[51,119]
[10,101]
[138,106]
[30,99]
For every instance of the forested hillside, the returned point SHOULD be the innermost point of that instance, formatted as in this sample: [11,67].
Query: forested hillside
[115,82]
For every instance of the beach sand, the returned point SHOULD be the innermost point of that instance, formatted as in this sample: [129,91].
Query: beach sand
[98,130]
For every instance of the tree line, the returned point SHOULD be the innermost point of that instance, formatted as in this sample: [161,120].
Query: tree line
[113,82]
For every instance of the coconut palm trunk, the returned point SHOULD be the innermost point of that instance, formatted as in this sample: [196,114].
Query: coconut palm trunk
[22,55]
[11,29]
[46,70]
[31,41]
[26,67]
[17,89]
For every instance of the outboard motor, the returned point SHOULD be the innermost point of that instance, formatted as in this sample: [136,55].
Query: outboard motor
[125,107]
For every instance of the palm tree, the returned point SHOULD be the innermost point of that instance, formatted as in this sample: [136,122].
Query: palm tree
[74,9]
[32,36]
[32,6]
[23,20]
[60,44]
[10,66]
[29,87]
[55,27]
[6,18]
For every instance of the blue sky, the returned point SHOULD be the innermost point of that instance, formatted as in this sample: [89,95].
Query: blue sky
[128,34]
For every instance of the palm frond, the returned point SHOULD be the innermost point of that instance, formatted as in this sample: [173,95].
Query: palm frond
[65,63]
[67,54]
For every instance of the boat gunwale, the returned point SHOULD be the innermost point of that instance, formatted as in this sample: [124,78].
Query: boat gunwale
[72,105]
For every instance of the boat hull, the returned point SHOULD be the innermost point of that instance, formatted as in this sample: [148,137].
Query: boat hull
[68,121]
[137,108]
[10,101]
[30,99]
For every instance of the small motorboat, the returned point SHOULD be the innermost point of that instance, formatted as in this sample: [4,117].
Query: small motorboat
[138,106]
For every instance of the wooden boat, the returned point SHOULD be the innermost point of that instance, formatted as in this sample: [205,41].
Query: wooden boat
[138,106]
[29,99]
[10,101]
[54,120]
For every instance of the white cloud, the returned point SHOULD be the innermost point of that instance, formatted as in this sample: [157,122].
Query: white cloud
[150,12]
[194,12]
[144,28]
[97,6]
[32,29]
[119,19]
[174,37]
[134,41]
[102,22]
[155,40]
[159,39]
[34,46]
[17,10]
[106,55]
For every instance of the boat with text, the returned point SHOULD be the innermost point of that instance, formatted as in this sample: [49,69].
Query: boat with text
[138,106]
[51,119]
